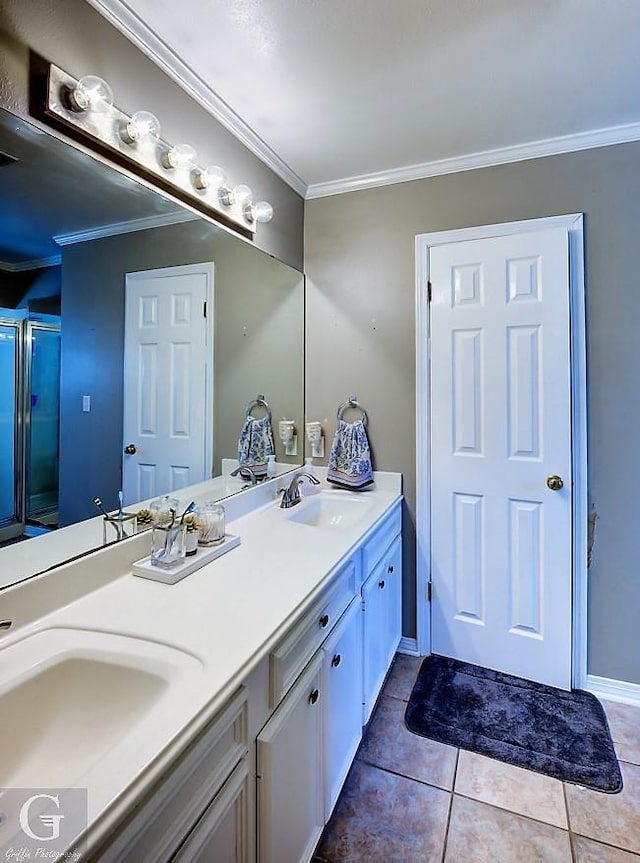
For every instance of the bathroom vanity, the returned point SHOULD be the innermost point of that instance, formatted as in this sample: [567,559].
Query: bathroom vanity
[237,696]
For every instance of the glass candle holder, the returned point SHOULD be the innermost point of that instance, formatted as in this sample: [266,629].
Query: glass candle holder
[168,545]
[211,519]
[117,527]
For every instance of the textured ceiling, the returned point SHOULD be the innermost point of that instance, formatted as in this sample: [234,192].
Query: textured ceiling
[344,88]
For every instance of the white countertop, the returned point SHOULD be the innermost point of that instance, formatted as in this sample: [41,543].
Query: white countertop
[226,617]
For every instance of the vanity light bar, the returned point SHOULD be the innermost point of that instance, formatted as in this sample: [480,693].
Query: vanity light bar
[86,107]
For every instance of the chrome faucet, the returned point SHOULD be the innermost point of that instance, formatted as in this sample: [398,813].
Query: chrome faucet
[245,473]
[291,494]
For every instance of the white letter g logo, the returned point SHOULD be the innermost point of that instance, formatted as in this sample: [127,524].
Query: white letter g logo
[51,821]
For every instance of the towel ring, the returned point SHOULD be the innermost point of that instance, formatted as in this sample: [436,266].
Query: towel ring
[352,402]
[259,401]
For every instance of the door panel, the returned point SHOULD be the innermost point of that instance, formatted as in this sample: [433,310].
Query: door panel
[500,425]
[167,412]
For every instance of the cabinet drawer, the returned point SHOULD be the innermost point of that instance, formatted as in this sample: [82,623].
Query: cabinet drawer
[291,655]
[164,819]
[377,544]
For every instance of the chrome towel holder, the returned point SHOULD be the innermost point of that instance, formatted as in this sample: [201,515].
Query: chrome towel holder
[259,401]
[352,402]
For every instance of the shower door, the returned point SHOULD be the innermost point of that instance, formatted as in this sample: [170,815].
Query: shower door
[43,419]
[12,498]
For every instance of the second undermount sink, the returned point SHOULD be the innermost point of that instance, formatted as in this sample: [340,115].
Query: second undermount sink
[331,509]
[70,697]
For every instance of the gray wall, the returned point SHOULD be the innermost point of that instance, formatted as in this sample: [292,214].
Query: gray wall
[359,254]
[250,289]
[71,34]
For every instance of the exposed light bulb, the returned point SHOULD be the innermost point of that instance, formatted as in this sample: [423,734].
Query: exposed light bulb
[242,194]
[180,156]
[91,94]
[212,177]
[260,212]
[141,127]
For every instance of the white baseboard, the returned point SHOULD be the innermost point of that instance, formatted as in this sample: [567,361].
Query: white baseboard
[614,690]
[409,646]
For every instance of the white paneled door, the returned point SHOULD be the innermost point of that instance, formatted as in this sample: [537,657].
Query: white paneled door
[501,466]
[168,387]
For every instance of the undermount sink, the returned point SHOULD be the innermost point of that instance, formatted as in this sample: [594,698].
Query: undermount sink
[332,509]
[70,697]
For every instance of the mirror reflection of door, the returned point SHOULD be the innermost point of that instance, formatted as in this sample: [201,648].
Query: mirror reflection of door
[168,403]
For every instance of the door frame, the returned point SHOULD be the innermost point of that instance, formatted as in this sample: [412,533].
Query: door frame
[206,268]
[573,223]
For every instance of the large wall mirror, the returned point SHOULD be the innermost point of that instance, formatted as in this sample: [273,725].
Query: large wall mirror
[76,236]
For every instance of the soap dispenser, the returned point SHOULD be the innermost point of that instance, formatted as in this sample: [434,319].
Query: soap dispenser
[272,469]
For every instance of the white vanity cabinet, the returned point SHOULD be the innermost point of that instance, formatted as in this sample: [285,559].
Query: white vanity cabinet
[345,644]
[290,773]
[222,834]
[194,790]
[342,701]
[306,749]
[260,781]
[382,605]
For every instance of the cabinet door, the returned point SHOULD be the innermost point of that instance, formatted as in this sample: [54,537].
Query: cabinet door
[375,592]
[221,835]
[382,597]
[393,576]
[342,704]
[290,805]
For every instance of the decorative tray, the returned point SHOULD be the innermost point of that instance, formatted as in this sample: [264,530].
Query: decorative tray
[203,556]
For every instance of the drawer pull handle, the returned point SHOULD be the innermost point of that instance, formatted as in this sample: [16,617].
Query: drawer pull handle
[314,696]
[390,569]
[324,620]
[381,584]
[337,659]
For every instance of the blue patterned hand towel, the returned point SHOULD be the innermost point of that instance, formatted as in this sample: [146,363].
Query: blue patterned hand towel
[350,458]
[255,444]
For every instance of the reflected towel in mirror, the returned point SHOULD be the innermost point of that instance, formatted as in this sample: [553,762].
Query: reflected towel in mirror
[255,444]
[350,458]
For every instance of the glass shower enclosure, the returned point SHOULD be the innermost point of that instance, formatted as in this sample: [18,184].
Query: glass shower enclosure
[29,420]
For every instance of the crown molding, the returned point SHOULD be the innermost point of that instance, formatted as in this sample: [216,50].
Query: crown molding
[124,228]
[118,13]
[488,158]
[35,264]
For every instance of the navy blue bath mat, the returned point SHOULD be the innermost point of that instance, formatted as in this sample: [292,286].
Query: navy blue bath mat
[563,734]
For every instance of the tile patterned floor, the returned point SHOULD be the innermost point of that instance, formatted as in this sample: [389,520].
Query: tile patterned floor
[412,800]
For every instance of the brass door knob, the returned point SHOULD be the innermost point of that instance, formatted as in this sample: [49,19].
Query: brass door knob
[131,449]
[554,482]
